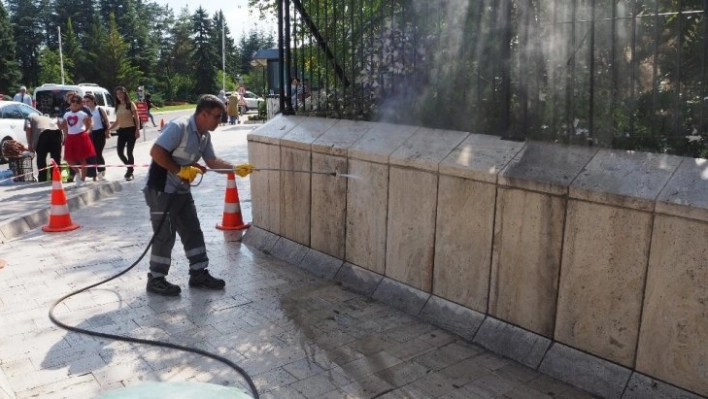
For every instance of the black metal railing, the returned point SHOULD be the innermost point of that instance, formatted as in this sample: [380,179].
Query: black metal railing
[625,74]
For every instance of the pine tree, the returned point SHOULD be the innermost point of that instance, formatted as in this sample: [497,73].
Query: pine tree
[10,73]
[204,54]
[29,36]
[95,50]
[115,62]
[72,54]
[50,66]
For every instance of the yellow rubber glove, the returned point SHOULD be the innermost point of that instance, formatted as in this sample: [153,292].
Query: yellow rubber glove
[244,169]
[188,173]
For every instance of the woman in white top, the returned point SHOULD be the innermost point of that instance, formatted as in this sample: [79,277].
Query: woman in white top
[77,146]
[100,132]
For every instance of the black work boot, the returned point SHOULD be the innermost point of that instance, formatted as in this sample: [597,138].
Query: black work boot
[202,279]
[160,286]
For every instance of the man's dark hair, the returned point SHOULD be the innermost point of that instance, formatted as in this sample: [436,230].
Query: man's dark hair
[208,102]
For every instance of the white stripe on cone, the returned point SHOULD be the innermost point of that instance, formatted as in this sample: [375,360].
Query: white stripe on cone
[231,183]
[56,185]
[59,210]
[232,208]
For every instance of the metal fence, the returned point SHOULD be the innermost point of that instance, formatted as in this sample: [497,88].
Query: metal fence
[625,74]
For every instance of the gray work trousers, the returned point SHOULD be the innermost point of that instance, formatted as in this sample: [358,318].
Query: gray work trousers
[181,219]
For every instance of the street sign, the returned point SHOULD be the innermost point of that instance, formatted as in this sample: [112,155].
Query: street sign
[142,110]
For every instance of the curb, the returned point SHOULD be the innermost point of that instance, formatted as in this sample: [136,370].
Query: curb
[30,220]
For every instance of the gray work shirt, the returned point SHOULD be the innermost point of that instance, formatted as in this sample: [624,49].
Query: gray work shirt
[181,139]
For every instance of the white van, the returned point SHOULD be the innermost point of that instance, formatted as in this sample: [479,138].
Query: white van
[50,96]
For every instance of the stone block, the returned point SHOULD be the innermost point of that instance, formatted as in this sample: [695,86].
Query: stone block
[686,193]
[265,186]
[426,148]
[272,131]
[526,258]
[260,239]
[14,227]
[624,178]
[400,296]
[367,212]
[410,236]
[37,219]
[338,139]
[381,140]
[480,157]
[329,203]
[295,195]
[320,264]
[513,342]
[545,167]
[452,317]
[673,339]
[605,254]
[289,251]
[463,241]
[643,387]
[306,132]
[587,372]
[358,279]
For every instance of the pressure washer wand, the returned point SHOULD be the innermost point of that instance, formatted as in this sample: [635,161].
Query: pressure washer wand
[279,170]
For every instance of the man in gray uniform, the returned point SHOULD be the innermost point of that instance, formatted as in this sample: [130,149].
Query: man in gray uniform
[174,166]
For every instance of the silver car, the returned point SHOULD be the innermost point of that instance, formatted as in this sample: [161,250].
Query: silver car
[13,116]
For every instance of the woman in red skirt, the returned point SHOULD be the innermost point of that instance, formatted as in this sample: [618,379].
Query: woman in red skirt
[77,145]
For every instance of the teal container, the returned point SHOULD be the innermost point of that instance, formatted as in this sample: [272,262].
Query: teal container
[175,390]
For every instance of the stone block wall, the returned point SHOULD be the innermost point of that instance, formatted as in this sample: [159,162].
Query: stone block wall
[588,264]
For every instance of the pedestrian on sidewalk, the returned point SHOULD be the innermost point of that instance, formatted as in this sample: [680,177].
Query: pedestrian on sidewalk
[233,108]
[43,137]
[77,144]
[64,108]
[99,134]
[128,125]
[150,106]
[174,166]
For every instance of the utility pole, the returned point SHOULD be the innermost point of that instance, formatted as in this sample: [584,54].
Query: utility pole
[223,53]
[61,56]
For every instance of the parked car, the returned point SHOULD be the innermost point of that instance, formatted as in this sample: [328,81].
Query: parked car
[13,115]
[251,99]
[50,96]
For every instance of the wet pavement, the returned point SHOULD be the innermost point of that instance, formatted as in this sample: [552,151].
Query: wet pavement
[297,335]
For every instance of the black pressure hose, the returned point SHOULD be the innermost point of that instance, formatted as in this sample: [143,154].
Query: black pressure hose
[198,351]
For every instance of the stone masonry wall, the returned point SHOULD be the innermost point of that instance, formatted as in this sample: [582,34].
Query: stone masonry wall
[588,264]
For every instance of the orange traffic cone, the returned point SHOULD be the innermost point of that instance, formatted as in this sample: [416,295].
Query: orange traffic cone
[232,219]
[59,217]
[162,123]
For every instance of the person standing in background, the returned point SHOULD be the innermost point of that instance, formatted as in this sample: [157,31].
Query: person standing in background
[99,133]
[128,126]
[43,137]
[23,96]
[150,106]
[232,108]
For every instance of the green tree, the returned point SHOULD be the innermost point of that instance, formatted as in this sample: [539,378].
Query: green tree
[95,50]
[79,12]
[204,56]
[29,36]
[50,67]
[72,54]
[10,72]
[254,41]
[118,69]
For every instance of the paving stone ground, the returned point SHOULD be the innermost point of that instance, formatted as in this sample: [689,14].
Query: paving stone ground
[298,336]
